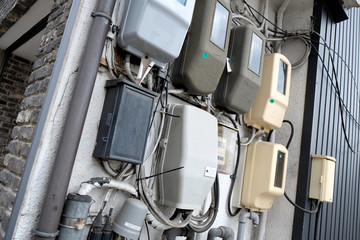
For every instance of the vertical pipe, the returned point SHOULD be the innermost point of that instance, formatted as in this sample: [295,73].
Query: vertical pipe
[66,153]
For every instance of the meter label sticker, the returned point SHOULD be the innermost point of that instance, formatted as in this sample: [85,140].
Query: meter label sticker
[210,172]
[132,226]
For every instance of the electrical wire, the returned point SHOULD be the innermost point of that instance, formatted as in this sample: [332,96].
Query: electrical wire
[147,230]
[202,223]
[233,176]
[291,133]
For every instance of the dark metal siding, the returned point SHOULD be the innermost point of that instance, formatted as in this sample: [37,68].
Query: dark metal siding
[322,131]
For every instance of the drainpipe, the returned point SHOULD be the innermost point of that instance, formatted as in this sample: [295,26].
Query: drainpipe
[172,233]
[223,232]
[66,153]
[242,220]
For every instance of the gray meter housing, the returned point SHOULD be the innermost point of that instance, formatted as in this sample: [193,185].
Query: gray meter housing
[237,90]
[203,56]
[125,121]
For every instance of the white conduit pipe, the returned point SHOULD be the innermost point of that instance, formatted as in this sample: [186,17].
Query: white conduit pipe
[86,188]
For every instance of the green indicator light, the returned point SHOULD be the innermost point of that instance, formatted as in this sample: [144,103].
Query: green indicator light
[262,128]
[205,55]
[272,100]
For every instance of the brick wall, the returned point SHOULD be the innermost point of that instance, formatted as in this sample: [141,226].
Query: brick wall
[13,81]
[27,118]
[11,11]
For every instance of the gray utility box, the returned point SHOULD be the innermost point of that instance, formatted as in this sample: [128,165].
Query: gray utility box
[203,56]
[237,90]
[125,121]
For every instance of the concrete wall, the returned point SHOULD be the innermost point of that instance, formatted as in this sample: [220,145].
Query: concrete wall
[279,218]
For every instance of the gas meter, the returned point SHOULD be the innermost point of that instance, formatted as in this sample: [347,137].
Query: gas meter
[237,89]
[264,176]
[269,107]
[155,28]
[204,53]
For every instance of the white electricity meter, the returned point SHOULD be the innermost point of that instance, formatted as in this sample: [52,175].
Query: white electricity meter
[189,152]
[264,176]
[203,57]
[322,178]
[155,28]
[271,102]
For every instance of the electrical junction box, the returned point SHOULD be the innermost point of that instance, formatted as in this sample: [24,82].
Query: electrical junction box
[227,145]
[264,176]
[190,146]
[322,178]
[125,121]
[237,89]
[269,107]
[204,53]
[155,28]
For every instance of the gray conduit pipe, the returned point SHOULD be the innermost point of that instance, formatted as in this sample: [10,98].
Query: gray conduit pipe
[66,153]
[172,233]
[223,232]
[242,220]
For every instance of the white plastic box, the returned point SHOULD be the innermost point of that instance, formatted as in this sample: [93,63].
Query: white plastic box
[155,28]
[322,178]
[190,143]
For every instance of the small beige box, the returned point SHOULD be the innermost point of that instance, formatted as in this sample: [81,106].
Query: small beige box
[322,178]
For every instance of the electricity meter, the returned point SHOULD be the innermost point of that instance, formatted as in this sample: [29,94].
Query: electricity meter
[155,28]
[322,178]
[237,89]
[265,175]
[227,145]
[204,53]
[269,107]
[189,148]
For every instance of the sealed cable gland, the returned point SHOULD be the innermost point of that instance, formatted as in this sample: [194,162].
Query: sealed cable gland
[125,121]
[130,219]
[190,146]
[155,28]
[322,178]
[237,89]
[203,57]
[265,175]
[271,102]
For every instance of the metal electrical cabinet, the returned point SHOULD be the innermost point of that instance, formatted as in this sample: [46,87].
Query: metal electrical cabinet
[237,89]
[322,178]
[264,175]
[269,107]
[125,121]
[155,28]
[204,53]
[190,146]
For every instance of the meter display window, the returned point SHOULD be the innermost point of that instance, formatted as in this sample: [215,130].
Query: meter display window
[183,2]
[220,25]
[281,84]
[255,54]
[279,172]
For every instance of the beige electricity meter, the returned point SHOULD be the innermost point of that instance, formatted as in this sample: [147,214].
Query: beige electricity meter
[322,178]
[265,175]
[269,107]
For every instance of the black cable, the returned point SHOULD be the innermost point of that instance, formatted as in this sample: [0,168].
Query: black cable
[147,229]
[317,221]
[291,133]
[233,176]
[216,208]
[301,208]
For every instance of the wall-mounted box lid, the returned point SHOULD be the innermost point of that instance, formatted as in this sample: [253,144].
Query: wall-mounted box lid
[237,90]
[125,121]
[155,28]
[322,178]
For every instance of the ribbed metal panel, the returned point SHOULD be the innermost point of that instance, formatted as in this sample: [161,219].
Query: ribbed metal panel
[323,134]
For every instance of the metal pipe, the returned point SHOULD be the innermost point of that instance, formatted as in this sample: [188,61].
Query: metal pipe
[223,232]
[172,233]
[66,153]
[242,220]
